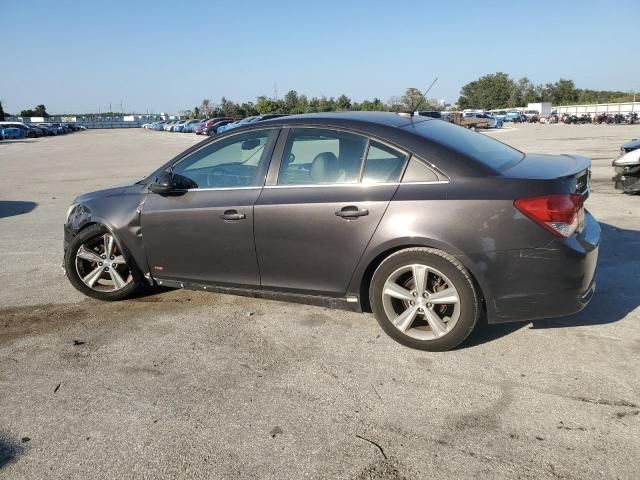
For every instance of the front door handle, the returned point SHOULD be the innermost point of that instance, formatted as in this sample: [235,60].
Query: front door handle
[232,215]
[352,212]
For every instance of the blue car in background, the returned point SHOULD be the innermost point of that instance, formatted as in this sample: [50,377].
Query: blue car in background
[49,129]
[515,117]
[239,123]
[12,133]
[190,125]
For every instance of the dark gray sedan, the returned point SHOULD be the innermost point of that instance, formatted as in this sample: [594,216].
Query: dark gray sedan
[424,223]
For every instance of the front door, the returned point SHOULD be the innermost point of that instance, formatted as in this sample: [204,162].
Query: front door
[206,234]
[314,222]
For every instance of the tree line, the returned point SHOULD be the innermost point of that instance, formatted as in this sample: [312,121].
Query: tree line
[293,103]
[498,90]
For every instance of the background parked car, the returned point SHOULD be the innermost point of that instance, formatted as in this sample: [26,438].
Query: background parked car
[50,129]
[430,114]
[12,132]
[499,114]
[27,132]
[515,117]
[212,121]
[213,128]
[250,120]
[190,125]
[630,146]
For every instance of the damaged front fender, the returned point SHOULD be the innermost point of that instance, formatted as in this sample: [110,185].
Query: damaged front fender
[121,215]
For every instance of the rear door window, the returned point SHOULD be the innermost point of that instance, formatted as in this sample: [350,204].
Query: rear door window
[384,164]
[317,156]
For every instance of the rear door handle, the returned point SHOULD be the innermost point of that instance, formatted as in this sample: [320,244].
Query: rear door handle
[232,215]
[352,212]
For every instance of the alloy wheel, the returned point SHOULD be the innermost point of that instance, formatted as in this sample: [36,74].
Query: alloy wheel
[421,302]
[101,265]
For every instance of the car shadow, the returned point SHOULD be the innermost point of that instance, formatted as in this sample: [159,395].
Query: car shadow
[616,294]
[11,140]
[9,450]
[11,208]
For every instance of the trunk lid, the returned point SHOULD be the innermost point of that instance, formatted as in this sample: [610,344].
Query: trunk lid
[536,166]
[547,167]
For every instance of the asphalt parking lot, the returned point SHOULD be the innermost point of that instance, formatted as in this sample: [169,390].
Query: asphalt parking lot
[181,384]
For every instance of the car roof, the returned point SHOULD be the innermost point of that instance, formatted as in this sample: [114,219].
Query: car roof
[632,144]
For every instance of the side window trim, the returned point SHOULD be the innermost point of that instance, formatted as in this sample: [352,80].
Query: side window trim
[261,174]
[408,155]
[281,143]
[276,158]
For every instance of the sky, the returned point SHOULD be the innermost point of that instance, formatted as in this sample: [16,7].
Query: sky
[166,56]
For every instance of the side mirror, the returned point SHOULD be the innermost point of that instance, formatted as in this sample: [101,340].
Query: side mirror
[163,184]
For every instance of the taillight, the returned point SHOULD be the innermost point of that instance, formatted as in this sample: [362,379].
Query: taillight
[560,214]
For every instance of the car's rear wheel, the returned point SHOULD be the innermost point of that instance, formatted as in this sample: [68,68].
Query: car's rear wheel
[424,299]
[96,265]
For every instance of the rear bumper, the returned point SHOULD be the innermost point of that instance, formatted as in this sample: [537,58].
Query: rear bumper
[537,283]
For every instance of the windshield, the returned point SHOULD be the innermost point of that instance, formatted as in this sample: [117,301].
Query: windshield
[478,146]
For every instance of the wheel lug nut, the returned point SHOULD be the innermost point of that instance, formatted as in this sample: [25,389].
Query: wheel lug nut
[106,269]
[100,263]
[113,265]
[112,257]
[103,256]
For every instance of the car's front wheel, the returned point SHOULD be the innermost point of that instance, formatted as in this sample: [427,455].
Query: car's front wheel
[424,299]
[96,266]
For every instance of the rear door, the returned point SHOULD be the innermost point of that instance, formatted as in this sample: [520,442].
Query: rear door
[320,207]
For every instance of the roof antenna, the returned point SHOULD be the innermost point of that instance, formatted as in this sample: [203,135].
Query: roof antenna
[424,95]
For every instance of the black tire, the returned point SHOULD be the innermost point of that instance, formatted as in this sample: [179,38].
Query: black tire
[80,239]
[469,302]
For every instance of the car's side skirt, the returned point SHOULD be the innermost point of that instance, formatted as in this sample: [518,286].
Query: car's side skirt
[350,303]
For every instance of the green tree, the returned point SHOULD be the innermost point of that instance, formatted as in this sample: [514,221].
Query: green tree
[490,91]
[314,105]
[303,105]
[268,105]
[326,104]
[373,106]
[565,92]
[195,113]
[41,111]
[247,109]
[343,102]
[229,108]
[2,114]
[412,100]
[291,102]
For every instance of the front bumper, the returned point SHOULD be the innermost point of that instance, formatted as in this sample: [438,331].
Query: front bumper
[627,178]
[537,283]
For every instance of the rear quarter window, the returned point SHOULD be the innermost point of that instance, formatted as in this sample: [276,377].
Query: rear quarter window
[478,146]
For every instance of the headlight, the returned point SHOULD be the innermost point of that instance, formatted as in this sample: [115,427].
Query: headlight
[70,210]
